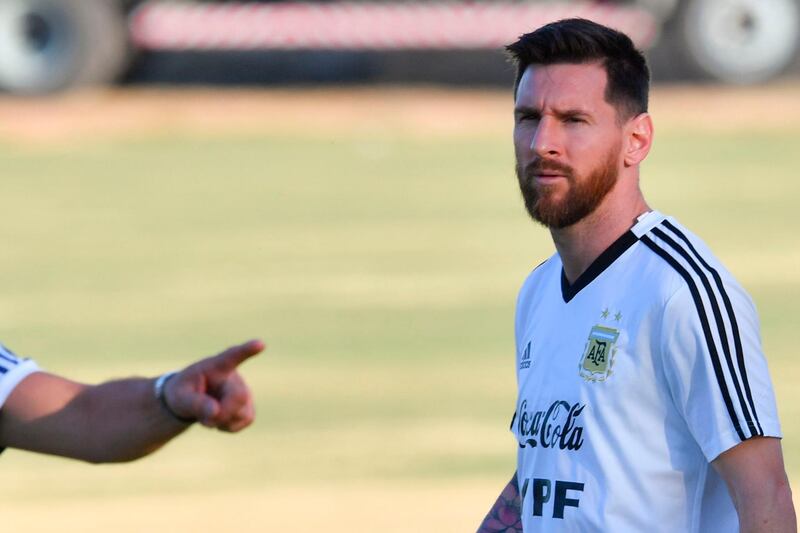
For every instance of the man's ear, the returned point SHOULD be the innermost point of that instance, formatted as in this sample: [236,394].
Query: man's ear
[638,139]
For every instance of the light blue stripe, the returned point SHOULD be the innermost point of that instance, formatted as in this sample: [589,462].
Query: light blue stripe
[604,336]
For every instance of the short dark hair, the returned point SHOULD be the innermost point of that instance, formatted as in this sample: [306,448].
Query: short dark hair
[583,41]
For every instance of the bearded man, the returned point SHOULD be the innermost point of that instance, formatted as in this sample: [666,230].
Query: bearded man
[644,400]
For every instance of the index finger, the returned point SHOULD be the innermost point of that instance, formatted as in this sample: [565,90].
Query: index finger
[228,360]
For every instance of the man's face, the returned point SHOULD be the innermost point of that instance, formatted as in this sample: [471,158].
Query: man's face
[567,142]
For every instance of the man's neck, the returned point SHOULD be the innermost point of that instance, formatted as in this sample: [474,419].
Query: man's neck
[580,244]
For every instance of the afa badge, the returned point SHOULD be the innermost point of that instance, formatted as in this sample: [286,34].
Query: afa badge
[598,356]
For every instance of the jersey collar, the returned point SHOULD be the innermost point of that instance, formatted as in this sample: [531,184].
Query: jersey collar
[643,224]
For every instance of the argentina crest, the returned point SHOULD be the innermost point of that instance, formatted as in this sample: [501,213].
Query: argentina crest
[598,355]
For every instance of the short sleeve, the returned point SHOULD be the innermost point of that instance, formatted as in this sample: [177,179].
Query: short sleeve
[13,370]
[715,367]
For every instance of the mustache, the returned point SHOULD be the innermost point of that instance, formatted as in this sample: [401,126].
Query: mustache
[543,166]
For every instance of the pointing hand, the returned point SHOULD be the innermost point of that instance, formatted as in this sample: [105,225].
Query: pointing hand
[212,392]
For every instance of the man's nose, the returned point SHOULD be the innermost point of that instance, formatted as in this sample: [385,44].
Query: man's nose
[545,141]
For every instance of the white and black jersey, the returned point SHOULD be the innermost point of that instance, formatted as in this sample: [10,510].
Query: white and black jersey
[13,369]
[631,381]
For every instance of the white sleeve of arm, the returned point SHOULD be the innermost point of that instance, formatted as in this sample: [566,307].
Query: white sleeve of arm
[715,367]
[13,370]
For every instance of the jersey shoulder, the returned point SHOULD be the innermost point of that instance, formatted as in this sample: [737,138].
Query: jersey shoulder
[540,272]
[688,261]
[710,345]
[547,272]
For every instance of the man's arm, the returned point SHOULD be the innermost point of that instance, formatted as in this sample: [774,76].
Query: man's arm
[123,420]
[756,479]
[506,514]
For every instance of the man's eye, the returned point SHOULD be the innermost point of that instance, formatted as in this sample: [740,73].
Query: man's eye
[575,120]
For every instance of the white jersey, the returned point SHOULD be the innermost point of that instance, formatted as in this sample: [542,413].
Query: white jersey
[631,381]
[13,370]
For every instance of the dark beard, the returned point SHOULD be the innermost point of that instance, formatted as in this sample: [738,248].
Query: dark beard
[580,200]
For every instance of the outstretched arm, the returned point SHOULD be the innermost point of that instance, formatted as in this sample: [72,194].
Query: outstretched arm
[506,514]
[123,420]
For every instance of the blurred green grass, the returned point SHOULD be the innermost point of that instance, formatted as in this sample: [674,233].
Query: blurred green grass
[382,272]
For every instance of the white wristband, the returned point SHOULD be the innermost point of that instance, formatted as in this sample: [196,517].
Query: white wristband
[158,390]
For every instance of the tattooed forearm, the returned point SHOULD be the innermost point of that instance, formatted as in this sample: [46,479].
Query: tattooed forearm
[506,514]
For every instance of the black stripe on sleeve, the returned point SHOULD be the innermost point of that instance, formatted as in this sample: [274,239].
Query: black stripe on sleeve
[8,359]
[737,339]
[8,355]
[723,386]
[721,330]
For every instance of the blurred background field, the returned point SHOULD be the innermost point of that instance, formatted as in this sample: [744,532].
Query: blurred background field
[375,239]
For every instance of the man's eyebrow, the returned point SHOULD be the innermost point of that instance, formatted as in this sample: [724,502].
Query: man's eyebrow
[572,112]
[560,113]
[527,110]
